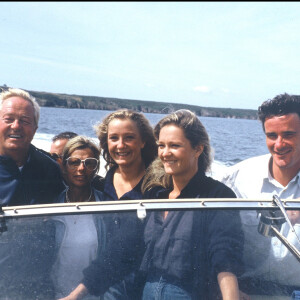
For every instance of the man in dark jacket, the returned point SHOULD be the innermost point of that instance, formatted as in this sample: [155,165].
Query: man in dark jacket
[27,175]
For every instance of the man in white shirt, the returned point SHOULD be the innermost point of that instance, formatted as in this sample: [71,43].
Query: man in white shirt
[277,173]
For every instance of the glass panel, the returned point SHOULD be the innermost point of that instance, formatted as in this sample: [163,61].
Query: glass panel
[114,254]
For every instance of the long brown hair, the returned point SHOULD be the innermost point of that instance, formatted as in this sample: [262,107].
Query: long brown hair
[194,131]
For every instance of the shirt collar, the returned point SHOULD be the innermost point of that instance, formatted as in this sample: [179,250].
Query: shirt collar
[110,190]
[193,187]
[270,178]
[265,168]
[296,178]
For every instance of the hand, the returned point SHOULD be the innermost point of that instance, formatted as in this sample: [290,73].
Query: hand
[244,296]
[228,285]
[79,292]
[294,216]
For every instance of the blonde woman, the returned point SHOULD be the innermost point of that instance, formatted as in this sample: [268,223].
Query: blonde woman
[128,147]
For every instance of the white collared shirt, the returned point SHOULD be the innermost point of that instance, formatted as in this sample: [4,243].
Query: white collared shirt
[251,179]
[264,256]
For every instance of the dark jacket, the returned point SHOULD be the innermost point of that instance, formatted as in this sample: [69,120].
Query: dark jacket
[26,258]
[39,181]
[124,249]
[190,248]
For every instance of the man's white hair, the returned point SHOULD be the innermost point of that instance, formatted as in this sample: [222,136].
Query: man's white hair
[13,92]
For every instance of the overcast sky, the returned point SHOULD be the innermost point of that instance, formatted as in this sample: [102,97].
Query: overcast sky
[217,54]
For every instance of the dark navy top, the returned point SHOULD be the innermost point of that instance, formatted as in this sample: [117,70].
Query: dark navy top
[189,248]
[124,248]
[38,182]
[110,191]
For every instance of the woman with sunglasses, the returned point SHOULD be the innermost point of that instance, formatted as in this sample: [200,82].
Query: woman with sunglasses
[128,147]
[78,237]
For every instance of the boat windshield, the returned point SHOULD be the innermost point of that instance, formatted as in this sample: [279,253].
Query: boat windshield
[48,251]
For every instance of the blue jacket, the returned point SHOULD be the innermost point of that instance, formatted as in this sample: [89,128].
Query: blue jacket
[39,181]
[98,196]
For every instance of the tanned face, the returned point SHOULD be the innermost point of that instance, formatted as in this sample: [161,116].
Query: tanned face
[283,141]
[17,127]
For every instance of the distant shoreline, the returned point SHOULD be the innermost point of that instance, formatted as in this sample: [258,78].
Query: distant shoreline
[46,99]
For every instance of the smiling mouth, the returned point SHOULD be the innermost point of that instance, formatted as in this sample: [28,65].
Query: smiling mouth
[282,153]
[170,162]
[14,136]
[122,154]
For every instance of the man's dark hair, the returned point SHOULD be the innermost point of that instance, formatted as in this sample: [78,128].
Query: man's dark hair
[278,106]
[66,135]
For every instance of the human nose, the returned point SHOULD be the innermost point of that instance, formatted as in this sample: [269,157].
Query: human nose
[81,167]
[279,143]
[121,143]
[165,152]
[15,124]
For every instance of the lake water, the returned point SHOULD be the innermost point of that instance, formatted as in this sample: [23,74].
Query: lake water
[232,140]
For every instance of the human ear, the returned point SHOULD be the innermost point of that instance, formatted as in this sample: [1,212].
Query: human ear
[199,149]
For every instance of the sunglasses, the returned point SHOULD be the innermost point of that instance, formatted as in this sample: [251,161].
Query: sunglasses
[55,156]
[90,163]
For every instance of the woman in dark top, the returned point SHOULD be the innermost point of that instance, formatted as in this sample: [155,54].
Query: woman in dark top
[128,146]
[187,252]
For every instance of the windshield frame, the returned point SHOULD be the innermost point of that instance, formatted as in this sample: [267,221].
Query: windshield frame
[152,204]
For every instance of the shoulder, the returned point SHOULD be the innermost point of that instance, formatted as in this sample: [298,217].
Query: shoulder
[247,175]
[251,167]
[99,196]
[157,192]
[61,197]
[41,157]
[217,189]
[45,170]
[252,163]
[98,183]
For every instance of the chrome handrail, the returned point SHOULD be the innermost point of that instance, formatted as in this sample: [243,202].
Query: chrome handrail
[151,204]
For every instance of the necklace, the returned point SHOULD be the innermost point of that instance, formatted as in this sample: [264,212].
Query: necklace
[68,199]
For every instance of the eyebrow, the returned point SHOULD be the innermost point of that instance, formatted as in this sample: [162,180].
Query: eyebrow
[284,132]
[14,115]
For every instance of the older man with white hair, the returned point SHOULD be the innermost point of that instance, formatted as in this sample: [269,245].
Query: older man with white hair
[27,175]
